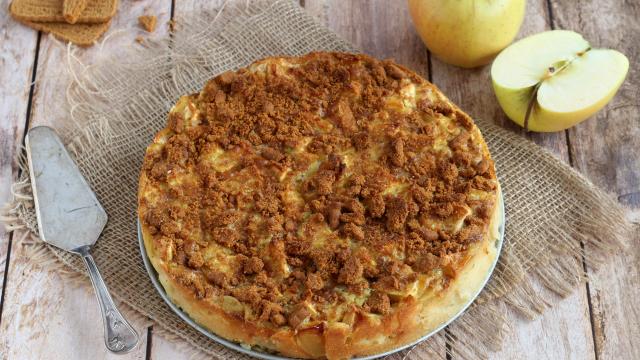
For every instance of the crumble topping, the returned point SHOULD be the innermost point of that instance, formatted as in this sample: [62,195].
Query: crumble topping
[308,189]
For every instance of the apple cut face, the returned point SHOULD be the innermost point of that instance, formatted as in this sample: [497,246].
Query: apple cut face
[554,80]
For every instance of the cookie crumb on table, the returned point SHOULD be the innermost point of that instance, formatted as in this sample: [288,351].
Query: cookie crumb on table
[148,22]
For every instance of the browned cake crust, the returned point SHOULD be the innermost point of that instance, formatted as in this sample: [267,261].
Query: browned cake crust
[330,205]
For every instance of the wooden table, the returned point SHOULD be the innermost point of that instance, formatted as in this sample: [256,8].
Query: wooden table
[43,317]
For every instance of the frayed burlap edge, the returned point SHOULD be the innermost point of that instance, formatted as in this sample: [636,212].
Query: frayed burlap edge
[552,256]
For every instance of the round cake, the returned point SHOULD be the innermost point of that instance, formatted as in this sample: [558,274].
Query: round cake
[325,206]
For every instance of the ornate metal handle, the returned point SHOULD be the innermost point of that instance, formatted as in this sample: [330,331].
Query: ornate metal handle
[119,336]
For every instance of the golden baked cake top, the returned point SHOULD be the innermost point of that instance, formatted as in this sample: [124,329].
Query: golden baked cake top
[328,188]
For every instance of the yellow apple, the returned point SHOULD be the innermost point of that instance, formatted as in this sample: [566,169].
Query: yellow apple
[467,33]
[553,80]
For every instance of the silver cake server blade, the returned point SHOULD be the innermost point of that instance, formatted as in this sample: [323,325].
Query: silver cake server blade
[71,218]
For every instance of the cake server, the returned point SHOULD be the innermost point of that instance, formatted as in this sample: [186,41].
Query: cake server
[71,218]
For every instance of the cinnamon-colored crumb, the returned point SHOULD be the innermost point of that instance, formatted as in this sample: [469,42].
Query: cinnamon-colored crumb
[398,157]
[397,212]
[148,22]
[314,282]
[379,303]
[253,265]
[351,272]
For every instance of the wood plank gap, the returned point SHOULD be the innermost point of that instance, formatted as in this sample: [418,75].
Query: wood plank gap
[32,86]
[448,344]
[149,341]
[590,305]
[584,264]
[550,13]
[6,271]
[569,147]
[32,89]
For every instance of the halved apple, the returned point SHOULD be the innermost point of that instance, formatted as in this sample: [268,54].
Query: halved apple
[553,80]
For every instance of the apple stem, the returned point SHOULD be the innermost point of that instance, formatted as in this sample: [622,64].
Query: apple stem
[532,101]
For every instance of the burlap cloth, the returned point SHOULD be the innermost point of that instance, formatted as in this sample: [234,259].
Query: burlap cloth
[556,220]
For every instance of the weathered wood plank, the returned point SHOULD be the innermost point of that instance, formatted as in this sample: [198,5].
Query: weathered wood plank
[17,54]
[46,316]
[563,331]
[162,349]
[605,148]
